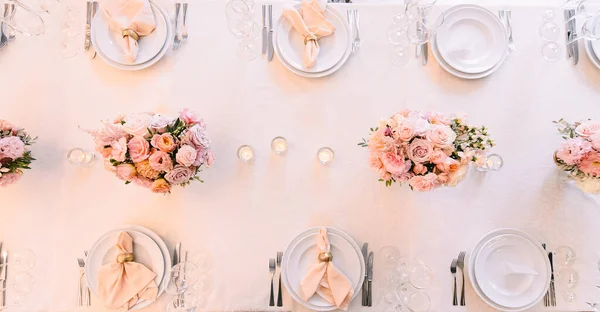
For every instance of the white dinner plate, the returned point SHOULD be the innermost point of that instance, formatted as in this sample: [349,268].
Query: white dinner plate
[104,251]
[475,280]
[302,253]
[324,73]
[332,48]
[472,39]
[589,48]
[147,54]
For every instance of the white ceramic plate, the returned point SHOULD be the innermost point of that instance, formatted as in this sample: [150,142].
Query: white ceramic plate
[497,280]
[472,39]
[317,74]
[153,60]
[589,48]
[332,48]
[474,279]
[104,251]
[301,253]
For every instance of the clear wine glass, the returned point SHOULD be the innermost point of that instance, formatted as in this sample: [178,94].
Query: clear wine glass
[20,284]
[405,290]
[21,260]
[23,19]
[400,55]
[420,275]
[551,51]
[549,31]
[564,255]
[419,302]
[182,276]
[389,278]
[186,302]
[567,278]
[549,15]
[203,260]
[404,267]
[389,255]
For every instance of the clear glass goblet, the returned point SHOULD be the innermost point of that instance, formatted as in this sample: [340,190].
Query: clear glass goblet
[564,256]
[182,276]
[567,278]
[419,302]
[388,256]
[549,31]
[400,55]
[551,51]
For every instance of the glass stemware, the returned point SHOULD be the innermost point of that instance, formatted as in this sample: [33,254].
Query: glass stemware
[388,256]
[182,276]
[564,256]
[21,18]
[240,21]
[551,51]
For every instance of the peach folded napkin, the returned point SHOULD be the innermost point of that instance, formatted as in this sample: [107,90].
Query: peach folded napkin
[312,24]
[326,280]
[121,285]
[124,15]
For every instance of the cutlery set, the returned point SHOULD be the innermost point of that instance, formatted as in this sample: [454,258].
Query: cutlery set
[354,22]
[550,297]
[506,19]
[3,275]
[178,256]
[458,263]
[267,31]
[274,266]
[181,33]
[421,50]
[367,289]
[7,34]
[83,292]
[571,33]
[91,10]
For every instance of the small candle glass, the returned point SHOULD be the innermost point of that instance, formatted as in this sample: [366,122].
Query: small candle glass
[493,162]
[279,145]
[325,155]
[246,153]
[80,156]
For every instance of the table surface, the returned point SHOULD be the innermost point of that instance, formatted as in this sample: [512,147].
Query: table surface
[243,214]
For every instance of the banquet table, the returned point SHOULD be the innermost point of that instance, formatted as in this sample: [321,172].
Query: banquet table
[243,213]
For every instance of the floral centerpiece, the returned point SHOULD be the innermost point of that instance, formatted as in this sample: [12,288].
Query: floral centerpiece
[579,154]
[14,155]
[424,149]
[155,151]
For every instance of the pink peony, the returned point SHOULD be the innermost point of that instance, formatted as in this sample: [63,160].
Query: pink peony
[405,177]
[189,117]
[161,186]
[395,164]
[11,147]
[405,132]
[126,172]
[210,159]
[9,178]
[438,157]
[588,128]
[137,124]
[590,164]
[197,137]
[423,183]
[160,161]
[119,149]
[141,181]
[164,142]
[139,149]
[419,169]
[380,143]
[420,150]
[375,162]
[572,150]
[186,155]
[179,174]
[443,178]
[595,139]
[441,136]
[159,123]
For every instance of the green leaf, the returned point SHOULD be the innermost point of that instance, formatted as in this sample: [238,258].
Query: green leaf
[127,182]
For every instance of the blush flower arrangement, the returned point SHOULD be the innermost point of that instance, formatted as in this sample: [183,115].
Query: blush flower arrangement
[427,150]
[579,154]
[14,154]
[155,151]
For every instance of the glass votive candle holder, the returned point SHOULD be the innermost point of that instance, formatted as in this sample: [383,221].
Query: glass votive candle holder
[325,155]
[493,162]
[246,153]
[279,145]
[80,156]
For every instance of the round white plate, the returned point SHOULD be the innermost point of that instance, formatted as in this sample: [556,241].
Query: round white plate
[301,253]
[472,39]
[332,48]
[104,251]
[317,74]
[153,60]
[494,275]
[589,48]
[474,279]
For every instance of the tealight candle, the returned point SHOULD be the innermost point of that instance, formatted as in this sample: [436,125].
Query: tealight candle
[494,162]
[246,153]
[325,155]
[80,156]
[279,145]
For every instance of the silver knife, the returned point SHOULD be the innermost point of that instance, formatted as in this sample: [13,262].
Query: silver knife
[88,26]
[270,35]
[264,29]
[370,279]
[365,295]
[568,32]
[4,275]
[575,45]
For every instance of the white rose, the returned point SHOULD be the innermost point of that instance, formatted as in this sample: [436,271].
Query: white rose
[160,122]
[457,176]
[588,128]
[137,124]
[441,136]
[420,125]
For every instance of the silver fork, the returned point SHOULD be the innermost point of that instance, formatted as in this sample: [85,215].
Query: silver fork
[461,266]
[272,271]
[350,18]
[177,39]
[88,300]
[356,44]
[184,33]
[81,264]
[453,271]
[511,41]
[279,296]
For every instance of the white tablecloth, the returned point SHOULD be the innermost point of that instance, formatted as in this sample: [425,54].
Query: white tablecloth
[243,213]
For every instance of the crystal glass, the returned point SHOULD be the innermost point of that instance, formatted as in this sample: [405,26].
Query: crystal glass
[551,51]
[388,256]
[492,162]
[22,18]
[279,145]
[397,35]
[203,260]
[404,266]
[325,155]
[405,290]
[204,285]
[246,153]
[80,156]
[420,275]
[21,260]
[248,49]
[19,284]
[569,296]
[389,278]
[401,18]
[400,55]
[564,256]
[186,302]
[182,276]
[549,31]
[419,302]
[549,15]
[567,278]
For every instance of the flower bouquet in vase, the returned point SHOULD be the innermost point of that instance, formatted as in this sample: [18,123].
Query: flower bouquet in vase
[155,151]
[14,154]
[579,155]
[426,150]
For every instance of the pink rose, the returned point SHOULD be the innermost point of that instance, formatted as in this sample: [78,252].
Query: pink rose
[588,128]
[437,157]
[189,117]
[164,142]
[5,125]
[12,147]
[210,159]
[438,118]
[186,156]
[197,137]
[590,164]
[375,162]
[405,177]
[449,165]
[179,174]
[139,149]
[572,150]
[443,178]
[104,151]
[395,164]
[419,169]
[137,124]
[423,183]
[420,150]
[160,123]
[119,149]
[405,132]
[380,143]
[161,186]
[441,136]
[126,172]
[595,139]
[9,178]
[457,176]
[141,181]
[160,161]
[405,113]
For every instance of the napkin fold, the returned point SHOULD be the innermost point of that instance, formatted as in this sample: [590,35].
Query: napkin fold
[326,280]
[310,23]
[121,285]
[129,14]
[519,269]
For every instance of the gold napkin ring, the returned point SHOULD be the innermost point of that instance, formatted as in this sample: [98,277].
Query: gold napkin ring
[130,33]
[125,257]
[310,37]
[325,257]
